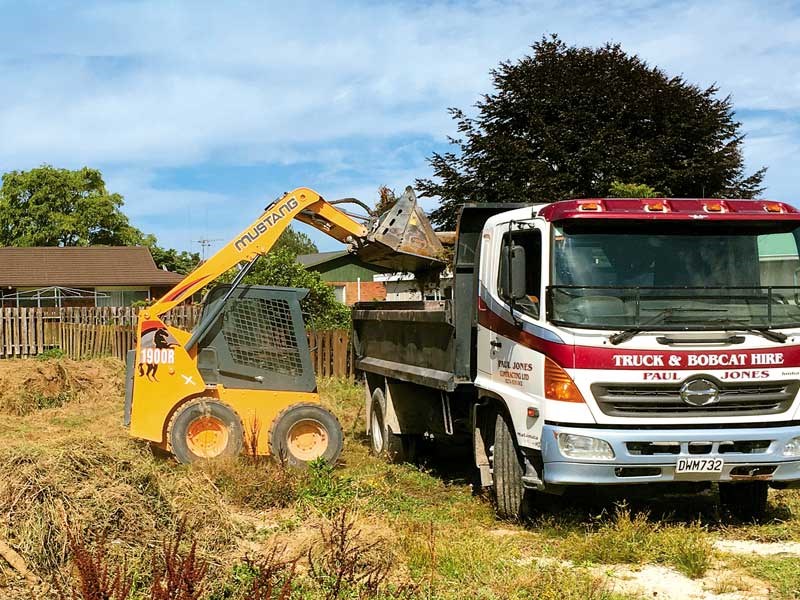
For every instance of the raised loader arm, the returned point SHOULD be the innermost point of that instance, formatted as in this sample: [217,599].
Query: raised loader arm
[302,204]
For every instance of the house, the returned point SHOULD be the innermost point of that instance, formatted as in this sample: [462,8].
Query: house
[350,278]
[80,276]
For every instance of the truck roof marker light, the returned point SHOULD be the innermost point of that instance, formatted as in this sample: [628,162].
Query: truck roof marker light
[715,207]
[773,207]
[657,206]
[590,206]
[558,385]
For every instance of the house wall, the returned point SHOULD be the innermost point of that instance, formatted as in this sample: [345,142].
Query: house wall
[348,291]
[346,268]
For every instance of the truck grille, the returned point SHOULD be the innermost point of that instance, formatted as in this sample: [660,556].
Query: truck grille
[663,400]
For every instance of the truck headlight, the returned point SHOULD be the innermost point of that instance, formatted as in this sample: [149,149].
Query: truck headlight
[792,447]
[581,446]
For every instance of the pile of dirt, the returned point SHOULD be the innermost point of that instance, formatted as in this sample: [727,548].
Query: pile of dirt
[30,385]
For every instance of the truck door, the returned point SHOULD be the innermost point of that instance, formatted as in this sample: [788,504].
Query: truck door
[511,363]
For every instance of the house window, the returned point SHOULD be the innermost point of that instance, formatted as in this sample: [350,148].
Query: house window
[340,292]
[120,297]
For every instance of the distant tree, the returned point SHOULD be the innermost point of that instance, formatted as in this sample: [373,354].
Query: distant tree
[566,122]
[279,267]
[617,189]
[182,262]
[295,242]
[58,207]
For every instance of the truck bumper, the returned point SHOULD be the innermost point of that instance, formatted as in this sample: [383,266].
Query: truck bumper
[651,456]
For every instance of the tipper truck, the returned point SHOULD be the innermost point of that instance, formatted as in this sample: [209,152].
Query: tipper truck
[602,342]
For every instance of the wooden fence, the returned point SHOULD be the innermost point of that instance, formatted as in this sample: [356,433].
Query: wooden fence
[111,331]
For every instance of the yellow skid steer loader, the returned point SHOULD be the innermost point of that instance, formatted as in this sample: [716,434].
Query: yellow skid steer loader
[244,374]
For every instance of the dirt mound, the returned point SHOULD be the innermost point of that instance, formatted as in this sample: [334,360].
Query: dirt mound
[29,385]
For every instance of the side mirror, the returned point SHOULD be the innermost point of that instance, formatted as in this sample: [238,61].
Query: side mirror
[512,272]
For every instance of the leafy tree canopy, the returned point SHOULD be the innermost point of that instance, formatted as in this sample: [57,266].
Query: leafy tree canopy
[320,306]
[567,122]
[295,242]
[617,189]
[58,207]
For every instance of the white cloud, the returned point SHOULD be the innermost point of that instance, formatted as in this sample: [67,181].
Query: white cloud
[136,87]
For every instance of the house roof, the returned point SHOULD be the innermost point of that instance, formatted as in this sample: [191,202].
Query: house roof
[81,267]
[312,260]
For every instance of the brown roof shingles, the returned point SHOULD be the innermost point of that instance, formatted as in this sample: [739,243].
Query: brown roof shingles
[82,267]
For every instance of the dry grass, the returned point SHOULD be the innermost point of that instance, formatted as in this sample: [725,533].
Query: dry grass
[74,468]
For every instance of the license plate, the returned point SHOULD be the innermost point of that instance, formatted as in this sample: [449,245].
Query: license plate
[699,465]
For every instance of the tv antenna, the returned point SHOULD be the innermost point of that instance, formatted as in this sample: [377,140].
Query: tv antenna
[206,243]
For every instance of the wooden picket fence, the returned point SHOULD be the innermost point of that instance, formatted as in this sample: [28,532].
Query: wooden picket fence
[83,332]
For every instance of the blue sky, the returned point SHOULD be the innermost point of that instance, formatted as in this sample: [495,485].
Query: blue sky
[199,113]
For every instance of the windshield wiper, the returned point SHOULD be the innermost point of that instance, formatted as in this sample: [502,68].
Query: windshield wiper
[773,336]
[626,334]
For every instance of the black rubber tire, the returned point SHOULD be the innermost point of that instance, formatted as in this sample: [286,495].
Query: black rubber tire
[200,407]
[746,500]
[509,493]
[288,417]
[383,442]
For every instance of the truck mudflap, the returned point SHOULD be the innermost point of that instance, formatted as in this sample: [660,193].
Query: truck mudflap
[670,455]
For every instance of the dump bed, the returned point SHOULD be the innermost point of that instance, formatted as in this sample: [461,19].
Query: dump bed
[431,343]
[410,341]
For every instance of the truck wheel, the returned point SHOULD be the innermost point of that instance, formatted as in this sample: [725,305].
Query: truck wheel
[384,443]
[509,493]
[205,428]
[746,500]
[305,432]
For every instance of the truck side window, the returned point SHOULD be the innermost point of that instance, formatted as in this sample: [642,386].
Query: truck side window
[531,241]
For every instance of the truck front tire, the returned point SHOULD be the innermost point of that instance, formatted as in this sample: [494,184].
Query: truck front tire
[746,500]
[384,443]
[509,492]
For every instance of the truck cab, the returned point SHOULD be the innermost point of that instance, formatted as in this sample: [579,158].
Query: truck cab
[616,341]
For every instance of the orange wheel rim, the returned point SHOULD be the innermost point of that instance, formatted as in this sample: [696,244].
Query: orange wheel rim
[207,437]
[307,440]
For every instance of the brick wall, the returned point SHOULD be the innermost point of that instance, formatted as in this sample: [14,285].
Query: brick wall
[370,290]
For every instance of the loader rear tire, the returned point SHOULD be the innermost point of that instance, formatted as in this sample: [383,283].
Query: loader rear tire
[205,429]
[305,432]
[509,492]
[384,443]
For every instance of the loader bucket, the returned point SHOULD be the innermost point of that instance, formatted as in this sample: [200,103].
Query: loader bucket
[403,239]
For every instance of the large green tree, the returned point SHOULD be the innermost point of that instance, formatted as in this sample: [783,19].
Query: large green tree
[567,122]
[58,207]
[47,206]
[295,242]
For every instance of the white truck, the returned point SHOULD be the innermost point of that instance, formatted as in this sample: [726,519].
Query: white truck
[602,342]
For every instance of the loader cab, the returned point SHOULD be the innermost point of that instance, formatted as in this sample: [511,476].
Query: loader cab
[258,340]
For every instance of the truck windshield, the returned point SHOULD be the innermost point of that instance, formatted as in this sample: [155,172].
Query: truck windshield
[675,276]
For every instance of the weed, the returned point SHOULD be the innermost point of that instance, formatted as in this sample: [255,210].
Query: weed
[347,564]
[51,354]
[686,548]
[178,576]
[324,490]
[272,576]
[623,539]
[95,579]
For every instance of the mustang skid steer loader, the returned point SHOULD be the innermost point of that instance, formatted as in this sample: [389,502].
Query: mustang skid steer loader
[244,374]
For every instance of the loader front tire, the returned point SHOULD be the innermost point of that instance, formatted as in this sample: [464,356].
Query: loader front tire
[205,429]
[305,432]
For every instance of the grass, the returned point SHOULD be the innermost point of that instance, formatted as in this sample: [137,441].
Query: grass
[781,572]
[72,468]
